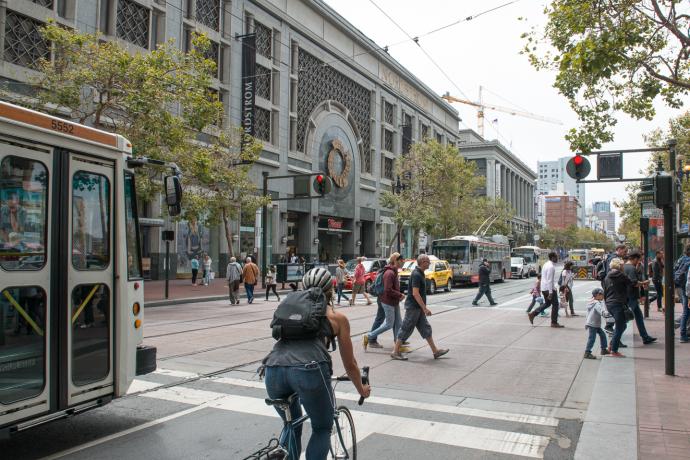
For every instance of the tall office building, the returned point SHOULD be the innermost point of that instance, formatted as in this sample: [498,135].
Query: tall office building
[552,173]
[602,210]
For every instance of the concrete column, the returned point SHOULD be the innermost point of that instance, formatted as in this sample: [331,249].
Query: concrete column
[509,192]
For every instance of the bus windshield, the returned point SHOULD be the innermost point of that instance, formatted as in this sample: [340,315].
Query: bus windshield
[529,255]
[455,252]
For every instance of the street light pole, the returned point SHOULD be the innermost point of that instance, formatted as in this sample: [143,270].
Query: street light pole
[264,232]
[669,247]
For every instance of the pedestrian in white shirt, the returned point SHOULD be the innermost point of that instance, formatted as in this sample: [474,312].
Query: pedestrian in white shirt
[548,289]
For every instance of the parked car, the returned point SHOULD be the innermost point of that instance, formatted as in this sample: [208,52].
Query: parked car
[371,268]
[438,275]
[518,268]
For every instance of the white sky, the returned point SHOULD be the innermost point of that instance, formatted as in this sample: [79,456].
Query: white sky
[485,51]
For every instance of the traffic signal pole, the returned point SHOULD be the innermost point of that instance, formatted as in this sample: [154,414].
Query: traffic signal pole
[669,253]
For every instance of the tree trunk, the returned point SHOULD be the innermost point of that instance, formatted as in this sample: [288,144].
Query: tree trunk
[228,233]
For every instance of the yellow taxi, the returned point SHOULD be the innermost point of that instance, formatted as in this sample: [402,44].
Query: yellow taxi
[438,275]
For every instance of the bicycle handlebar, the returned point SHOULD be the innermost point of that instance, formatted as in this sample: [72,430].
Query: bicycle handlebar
[365,381]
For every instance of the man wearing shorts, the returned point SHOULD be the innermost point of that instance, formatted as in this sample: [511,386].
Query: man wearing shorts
[416,312]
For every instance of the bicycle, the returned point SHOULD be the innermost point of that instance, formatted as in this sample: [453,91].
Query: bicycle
[343,437]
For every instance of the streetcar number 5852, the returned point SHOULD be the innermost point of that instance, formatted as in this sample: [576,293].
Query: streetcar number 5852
[62,126]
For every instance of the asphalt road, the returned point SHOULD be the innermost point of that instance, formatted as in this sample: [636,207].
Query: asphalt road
[507,389]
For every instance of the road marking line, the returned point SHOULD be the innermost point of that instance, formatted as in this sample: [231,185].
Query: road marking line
[482,413]
[367,423]
[174,373]
[141,385]
[123,433]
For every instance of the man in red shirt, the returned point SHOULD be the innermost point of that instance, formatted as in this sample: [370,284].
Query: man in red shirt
[390,301]
[358,285]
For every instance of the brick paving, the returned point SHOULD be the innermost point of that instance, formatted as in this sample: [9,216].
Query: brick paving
[663,402]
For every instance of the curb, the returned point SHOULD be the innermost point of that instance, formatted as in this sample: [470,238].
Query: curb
[610,424]
[213,298]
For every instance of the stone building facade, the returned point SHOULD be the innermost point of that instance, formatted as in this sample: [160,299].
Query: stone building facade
[506,176]
[327,99]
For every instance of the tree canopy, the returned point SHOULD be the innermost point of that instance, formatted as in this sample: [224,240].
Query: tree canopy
[162,101]
[614,55]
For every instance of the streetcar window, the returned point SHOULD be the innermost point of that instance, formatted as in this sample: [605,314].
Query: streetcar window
[90,221]
[23,213]
[22,343]
[132,229]
[90,319]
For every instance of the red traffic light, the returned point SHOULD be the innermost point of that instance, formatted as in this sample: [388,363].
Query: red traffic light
[319,178]
[578,160]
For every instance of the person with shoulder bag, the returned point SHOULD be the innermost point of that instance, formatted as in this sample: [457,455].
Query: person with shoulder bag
[233,275]
[250,275]
[616,286]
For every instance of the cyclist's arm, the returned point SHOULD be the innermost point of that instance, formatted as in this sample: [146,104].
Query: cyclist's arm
[348,356]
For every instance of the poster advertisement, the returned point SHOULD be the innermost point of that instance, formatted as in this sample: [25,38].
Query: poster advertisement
[192,240]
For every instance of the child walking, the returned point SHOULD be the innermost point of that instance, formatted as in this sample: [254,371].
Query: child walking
[536,294]
[563,299]
[596,309]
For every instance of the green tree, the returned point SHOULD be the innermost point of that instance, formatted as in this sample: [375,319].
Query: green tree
[613,55]
[162,102]
[440,191]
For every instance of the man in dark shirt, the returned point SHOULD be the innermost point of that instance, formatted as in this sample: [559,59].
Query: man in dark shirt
[657,276]
[484,283]
[630,270]
[416,312]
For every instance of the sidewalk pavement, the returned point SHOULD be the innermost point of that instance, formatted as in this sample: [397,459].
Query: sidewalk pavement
[182,291]
[663,402]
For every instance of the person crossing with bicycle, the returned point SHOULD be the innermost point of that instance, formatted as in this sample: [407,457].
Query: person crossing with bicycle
[300,362]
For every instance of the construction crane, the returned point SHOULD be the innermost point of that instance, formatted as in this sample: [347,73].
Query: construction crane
[481,106]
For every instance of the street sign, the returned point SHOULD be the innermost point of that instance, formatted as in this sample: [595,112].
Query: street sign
[651,211]
[578,167]
[610,166]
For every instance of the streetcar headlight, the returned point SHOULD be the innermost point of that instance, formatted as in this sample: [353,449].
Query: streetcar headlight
[136,308]
[137,324]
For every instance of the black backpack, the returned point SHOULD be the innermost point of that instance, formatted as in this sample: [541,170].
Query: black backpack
[301,315]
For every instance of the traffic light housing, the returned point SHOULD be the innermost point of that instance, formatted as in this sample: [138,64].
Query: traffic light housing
[578,167]
[664,190]
[322,184]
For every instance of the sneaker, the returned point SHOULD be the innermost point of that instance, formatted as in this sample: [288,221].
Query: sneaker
[556,325]
[475,304]
[406,342]
[604,351]
[398,357]
[542,314]
[365,341]
[574,314]
[493,304]
[684,340]
[374,344]
[622,345]
[441,352]
[649,340]
[615,354]
[405,349]
[589,355]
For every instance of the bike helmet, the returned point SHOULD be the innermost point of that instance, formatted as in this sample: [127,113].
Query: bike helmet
[318,277]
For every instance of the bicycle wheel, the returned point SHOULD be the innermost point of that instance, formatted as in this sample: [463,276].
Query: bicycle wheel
[343,438]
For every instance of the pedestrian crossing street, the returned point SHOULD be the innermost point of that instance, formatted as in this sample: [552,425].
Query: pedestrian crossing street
[469,431]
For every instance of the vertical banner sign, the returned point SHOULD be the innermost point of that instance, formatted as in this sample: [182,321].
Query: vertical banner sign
[248,86]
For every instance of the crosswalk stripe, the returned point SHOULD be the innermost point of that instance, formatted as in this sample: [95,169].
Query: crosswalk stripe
[367,423]
[495,415]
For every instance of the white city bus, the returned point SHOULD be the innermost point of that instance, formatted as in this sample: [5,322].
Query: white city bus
[71,291]
[465,254]
[535,257]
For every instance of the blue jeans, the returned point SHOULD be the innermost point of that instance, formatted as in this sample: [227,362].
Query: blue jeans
[339,288]
[621,324]
[634,304]
[593,332]
[250,292]
[686,314]
[392,320]
[380,315]
[312,383]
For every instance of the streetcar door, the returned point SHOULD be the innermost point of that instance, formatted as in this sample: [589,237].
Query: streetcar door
[90,269]
[26,213]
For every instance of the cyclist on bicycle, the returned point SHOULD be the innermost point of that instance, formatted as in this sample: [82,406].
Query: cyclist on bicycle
[304,367]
